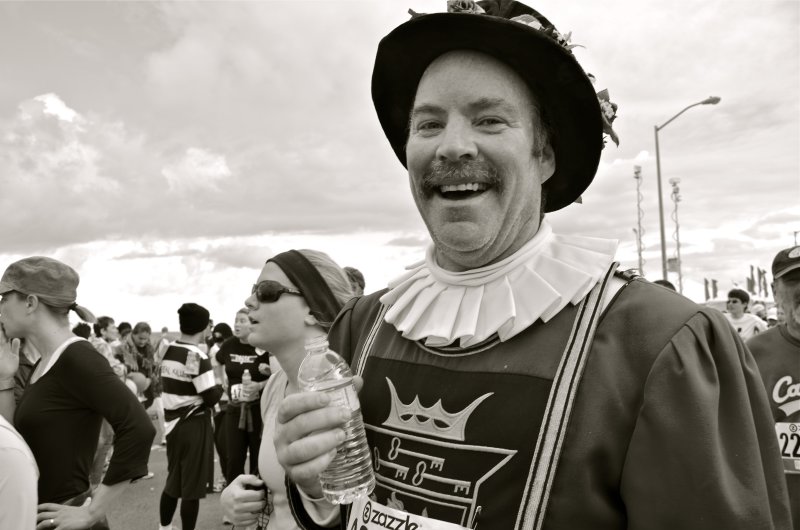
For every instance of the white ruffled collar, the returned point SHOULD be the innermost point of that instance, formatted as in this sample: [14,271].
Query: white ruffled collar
[506,297]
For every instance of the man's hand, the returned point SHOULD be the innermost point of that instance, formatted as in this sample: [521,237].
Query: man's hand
[307,432]
[9,356]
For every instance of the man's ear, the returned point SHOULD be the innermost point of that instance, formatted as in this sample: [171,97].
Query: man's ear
[547,163]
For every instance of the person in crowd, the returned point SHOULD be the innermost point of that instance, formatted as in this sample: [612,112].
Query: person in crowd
[18,479]
[71,389]
[105,334]
[295,299]
[137,353]
[772,317]
[746,324]
[189,393]
[220,333]
[163,343]
[124,329]
[777,353]
[494,394]
[666,283]
[243,420]
[760,311]
[83,330]
[356,280]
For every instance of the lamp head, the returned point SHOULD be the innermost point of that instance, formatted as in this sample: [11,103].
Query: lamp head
[712,100]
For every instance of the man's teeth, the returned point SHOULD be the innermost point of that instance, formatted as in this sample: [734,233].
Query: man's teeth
[472,186]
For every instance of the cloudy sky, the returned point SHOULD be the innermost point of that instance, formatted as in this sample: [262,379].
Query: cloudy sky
[165,150]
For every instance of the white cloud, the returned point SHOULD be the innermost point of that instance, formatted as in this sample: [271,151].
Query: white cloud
[198,169]
[55,106]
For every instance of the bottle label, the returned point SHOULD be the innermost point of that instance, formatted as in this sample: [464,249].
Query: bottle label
[345,396]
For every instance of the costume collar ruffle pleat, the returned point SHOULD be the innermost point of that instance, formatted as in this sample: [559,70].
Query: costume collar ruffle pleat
[506,297]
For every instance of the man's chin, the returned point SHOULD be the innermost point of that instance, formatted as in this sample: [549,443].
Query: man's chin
[462,246]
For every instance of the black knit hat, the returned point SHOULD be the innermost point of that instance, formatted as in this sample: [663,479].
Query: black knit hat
[527,42]
[193,318]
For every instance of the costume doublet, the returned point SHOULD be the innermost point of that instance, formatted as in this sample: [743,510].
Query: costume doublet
[670,426]
[662,433]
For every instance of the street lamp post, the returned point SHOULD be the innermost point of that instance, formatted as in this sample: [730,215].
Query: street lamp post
[676,198]
[713,100]
[637,174]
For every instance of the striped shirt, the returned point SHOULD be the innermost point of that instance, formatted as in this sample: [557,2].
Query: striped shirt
[181,391]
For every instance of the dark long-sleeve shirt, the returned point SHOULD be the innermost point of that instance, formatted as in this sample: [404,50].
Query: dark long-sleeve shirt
[60,414]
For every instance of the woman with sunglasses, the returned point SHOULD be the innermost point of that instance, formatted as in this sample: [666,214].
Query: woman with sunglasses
[295,299]
[71,390]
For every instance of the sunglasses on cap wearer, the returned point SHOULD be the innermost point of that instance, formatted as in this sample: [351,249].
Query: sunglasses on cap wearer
[269,291]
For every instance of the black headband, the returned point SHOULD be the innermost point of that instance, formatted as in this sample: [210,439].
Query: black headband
[319,297]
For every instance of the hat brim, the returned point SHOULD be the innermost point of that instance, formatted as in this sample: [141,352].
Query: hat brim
[6,288]
[557,81]
[787,270]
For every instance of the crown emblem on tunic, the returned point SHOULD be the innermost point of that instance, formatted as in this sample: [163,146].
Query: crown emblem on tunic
[430,421]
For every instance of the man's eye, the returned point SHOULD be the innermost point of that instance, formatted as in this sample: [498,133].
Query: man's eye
[429,126]
[490,121]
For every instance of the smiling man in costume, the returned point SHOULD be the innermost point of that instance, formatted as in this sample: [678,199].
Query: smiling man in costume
[515,378]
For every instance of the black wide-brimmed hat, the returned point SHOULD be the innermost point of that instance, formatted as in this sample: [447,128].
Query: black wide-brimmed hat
[527,42]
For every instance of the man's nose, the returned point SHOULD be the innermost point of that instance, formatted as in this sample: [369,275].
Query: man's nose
[457,141]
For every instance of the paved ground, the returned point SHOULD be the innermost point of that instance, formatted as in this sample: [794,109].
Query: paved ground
[138,509]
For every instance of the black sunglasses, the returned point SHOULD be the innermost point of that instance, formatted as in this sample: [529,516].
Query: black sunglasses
[269,291]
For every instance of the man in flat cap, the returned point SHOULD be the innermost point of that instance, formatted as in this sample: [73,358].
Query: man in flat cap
[515,378]
[777,353]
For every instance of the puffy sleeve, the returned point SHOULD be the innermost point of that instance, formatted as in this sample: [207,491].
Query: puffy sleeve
[703,453]
[99,389]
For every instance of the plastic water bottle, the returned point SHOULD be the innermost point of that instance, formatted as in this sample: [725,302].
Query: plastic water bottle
[349,475]
[246,380]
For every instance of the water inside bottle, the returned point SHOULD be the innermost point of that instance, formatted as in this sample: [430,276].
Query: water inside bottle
[349,475]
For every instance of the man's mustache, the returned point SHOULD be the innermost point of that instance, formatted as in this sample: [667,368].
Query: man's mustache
[441,172]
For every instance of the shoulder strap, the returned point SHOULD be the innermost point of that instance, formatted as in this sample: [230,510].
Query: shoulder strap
[559,407]
[359,361]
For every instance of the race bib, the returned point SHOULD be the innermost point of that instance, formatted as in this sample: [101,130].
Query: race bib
[192,363]
[789,442]
[367,514]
